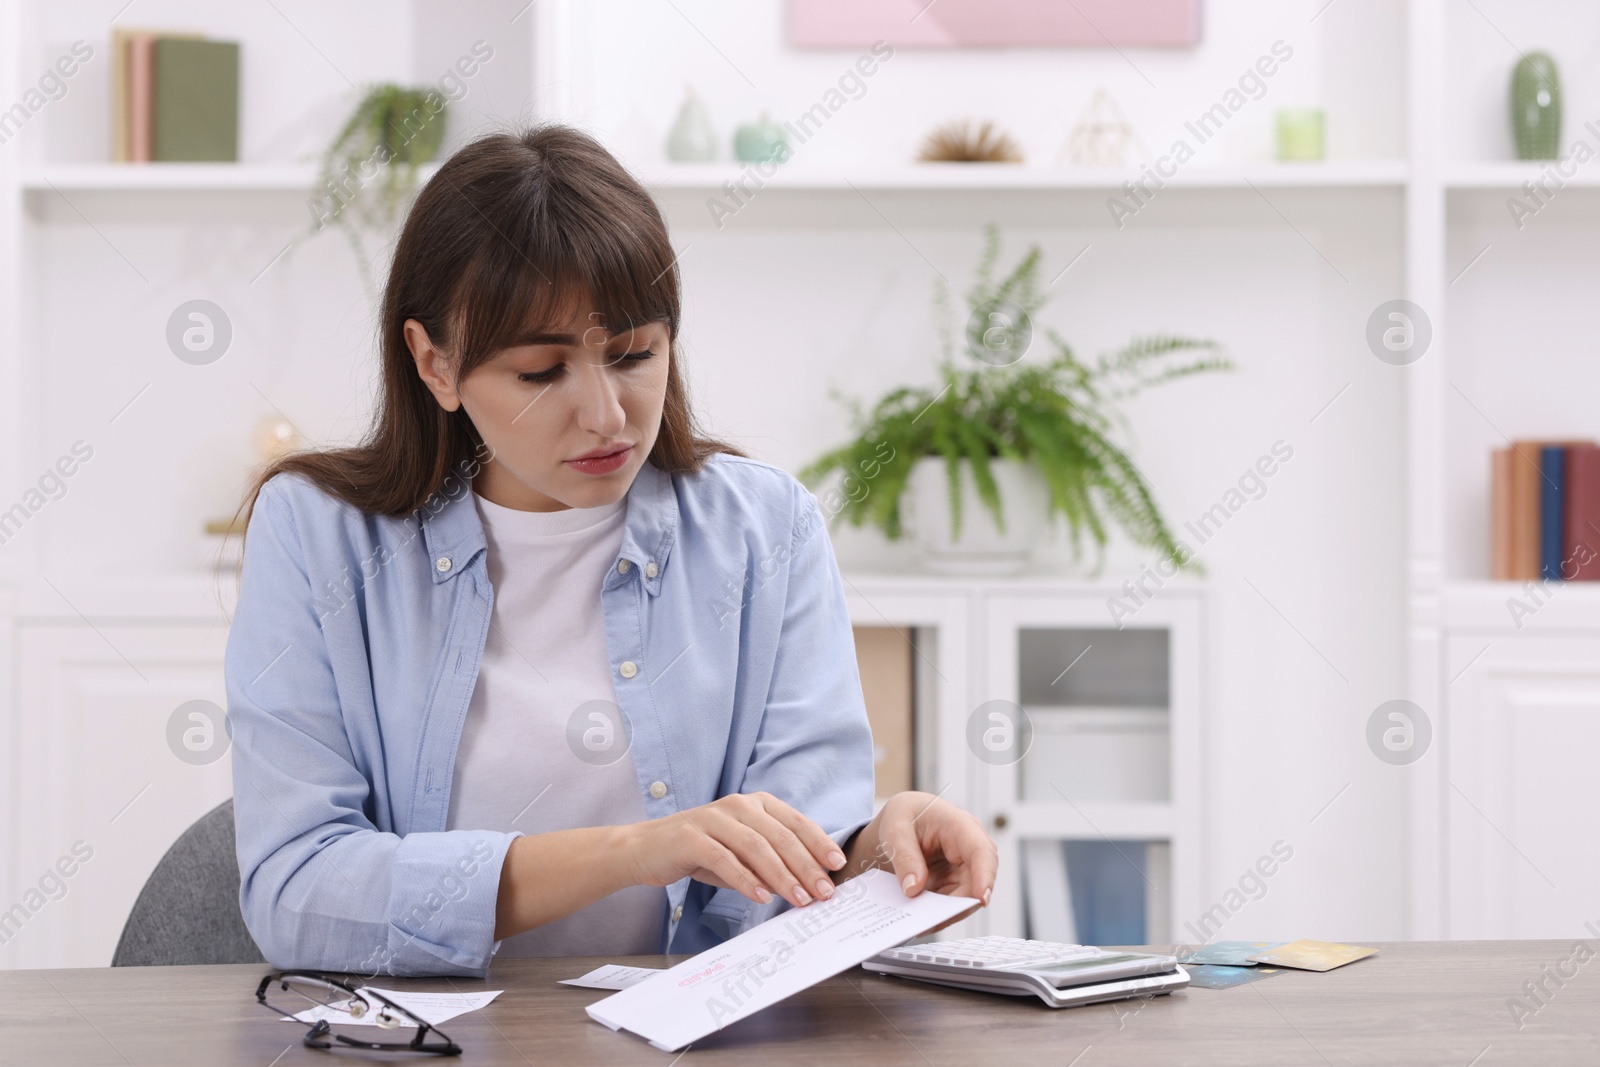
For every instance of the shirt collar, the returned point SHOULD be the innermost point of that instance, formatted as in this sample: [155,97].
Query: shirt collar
[452,529]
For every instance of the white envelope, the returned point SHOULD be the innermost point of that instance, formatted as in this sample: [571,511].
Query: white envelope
[793,950]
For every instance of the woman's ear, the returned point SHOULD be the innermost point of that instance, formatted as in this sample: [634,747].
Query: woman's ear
[433,365]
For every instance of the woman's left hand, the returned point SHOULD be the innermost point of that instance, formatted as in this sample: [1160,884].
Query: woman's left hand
[928,843]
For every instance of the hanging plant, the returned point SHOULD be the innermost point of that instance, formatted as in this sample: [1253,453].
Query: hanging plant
[368,173]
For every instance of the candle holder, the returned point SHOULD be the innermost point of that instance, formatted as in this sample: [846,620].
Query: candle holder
[1300,135]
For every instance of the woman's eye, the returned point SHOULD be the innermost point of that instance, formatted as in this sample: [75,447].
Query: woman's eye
[625,359]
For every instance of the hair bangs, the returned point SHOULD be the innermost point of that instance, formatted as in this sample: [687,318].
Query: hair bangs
[560,260]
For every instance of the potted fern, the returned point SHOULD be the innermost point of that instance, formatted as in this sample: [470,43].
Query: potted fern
[1003,443]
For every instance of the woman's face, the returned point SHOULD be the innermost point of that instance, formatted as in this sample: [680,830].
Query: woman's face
[569,415]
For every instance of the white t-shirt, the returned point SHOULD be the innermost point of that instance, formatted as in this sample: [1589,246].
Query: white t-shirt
[542,748]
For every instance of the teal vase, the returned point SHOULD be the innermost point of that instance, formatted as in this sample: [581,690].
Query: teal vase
[761,141]
[1536,107]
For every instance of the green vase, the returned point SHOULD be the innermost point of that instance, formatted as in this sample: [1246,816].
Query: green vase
[761,141]
[1536,107]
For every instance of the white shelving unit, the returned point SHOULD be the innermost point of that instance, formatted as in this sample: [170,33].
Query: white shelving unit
[956,178]
[1506,699]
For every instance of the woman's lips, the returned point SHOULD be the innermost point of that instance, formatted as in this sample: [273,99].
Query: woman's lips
[602,464]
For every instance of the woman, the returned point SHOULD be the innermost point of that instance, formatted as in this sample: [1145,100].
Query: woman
[537,669]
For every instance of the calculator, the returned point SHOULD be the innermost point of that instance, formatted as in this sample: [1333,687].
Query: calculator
[1059,974]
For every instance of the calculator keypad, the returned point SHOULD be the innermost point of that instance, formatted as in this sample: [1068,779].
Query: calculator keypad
[991,953]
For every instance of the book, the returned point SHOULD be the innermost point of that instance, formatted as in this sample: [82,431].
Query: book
[883,659]
[195,100]
[1527,478]
[141,57]
[1552,523]
[1581,537]
[1047,891]
[121,95]
[1500,563]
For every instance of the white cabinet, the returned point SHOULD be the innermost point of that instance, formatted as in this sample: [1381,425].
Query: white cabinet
[1077,742]
[1518,800]
[98,789]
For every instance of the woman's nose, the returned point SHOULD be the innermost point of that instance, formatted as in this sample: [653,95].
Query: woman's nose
[599,406]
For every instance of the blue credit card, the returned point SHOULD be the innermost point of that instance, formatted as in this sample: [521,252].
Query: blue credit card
[1231,953]
[1217,976]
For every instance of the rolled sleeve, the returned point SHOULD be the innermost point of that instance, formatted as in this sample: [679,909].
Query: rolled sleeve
[321,886]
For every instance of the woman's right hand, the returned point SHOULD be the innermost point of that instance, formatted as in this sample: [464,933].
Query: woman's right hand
[751,842]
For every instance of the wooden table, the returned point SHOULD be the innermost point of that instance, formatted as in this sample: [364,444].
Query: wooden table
[1413,1003]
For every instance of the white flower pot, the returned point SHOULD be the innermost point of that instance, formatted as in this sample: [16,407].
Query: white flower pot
[982,548]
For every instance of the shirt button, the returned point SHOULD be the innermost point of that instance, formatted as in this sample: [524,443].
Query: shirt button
[658,789]
[628,668]
[622,566]
[442,564]
[651,570]
[677,913]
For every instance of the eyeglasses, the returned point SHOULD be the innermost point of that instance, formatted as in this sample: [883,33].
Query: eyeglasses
[305,989]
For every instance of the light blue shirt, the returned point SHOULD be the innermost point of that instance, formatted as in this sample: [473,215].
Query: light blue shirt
[354,650]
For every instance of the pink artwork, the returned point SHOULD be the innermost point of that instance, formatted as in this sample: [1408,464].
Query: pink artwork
[958,23]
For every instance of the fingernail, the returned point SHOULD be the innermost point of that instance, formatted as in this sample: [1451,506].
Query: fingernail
[801,897]
[824,889]
[762,895]
[986,893]
[836,859]
[908,881]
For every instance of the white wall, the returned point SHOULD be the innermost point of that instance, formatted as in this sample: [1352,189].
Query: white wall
[777,314]
[849,308]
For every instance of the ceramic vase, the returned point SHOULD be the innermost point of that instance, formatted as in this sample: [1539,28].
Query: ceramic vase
[1536,107]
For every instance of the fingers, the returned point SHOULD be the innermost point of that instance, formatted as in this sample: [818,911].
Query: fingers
[778,851]
[726,867]
[971,854]
[764,836]
[918,833]
[812,836]
[897,839]
[807,850]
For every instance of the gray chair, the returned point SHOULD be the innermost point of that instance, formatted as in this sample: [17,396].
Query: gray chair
[188,910]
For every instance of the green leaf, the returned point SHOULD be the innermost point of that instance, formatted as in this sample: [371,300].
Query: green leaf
[1057,413]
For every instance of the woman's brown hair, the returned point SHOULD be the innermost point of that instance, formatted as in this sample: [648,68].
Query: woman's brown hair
[507,234]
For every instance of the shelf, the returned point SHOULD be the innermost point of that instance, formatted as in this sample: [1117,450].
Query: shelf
[178,596]
[1044,583]
[1086,718]
[978,178]
[709,178]
[1090,820]
[1483,605]
[167,177]
[1510,175]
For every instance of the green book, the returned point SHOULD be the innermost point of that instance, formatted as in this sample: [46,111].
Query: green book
[195,113]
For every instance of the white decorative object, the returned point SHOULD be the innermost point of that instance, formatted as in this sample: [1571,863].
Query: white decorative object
[222,544]
[982,548]
[1102,134]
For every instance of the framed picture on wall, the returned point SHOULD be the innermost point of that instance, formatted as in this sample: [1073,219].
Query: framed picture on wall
[988,23]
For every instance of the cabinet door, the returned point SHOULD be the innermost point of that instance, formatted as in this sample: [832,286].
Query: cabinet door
[1101,779]
[94,770]
[936,625]
[1519,799]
